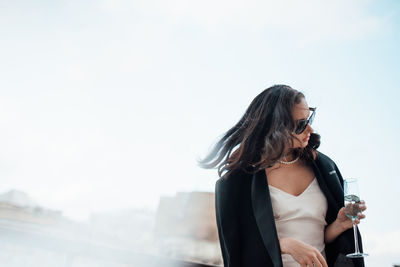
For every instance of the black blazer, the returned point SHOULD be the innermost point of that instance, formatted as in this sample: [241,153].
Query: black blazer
[245,220]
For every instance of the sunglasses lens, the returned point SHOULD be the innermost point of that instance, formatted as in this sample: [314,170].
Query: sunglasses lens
[311,118]
[301,125]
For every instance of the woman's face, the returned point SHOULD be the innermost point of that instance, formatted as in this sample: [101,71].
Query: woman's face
[301,112]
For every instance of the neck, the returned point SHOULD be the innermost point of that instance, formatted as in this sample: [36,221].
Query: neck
[289,156]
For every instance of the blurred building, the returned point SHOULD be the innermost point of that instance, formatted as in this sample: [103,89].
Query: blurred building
[38,237]
[185,227]
[20,212]
[35,236]
[19,207]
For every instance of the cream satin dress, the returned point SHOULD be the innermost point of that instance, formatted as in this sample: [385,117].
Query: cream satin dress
[301,217]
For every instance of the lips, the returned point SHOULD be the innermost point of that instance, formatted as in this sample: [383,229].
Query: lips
[308,138]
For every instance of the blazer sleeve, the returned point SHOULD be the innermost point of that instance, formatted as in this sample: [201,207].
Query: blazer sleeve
[227,222]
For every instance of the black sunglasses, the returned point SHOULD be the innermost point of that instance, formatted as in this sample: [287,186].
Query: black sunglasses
[302,124]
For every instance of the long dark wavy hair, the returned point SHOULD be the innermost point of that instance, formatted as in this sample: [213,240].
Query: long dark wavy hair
[259,139]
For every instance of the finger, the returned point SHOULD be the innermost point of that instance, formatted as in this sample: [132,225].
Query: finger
[317,262]
[311,263]
[322,260]
[357,221]
[362,201]
[361,216]
[363,207]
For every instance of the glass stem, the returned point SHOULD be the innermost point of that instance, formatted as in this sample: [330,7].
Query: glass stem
[355,238]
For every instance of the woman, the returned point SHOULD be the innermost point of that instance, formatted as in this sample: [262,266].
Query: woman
[279,201]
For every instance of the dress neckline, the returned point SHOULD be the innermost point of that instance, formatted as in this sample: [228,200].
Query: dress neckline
[280,190]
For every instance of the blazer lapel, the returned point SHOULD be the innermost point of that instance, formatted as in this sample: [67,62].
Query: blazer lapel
[262,209]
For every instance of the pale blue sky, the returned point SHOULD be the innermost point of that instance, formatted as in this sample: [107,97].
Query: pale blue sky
[107,104]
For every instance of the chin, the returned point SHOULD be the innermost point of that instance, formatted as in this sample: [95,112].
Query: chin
[304,144]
